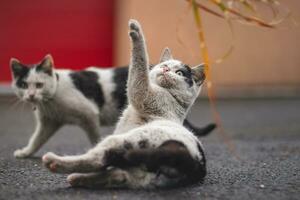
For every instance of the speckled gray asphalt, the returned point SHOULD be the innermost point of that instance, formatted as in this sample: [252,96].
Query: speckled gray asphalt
[265,133]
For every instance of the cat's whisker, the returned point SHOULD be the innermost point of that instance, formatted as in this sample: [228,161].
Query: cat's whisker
[15,104]
[24,104]
[11,99]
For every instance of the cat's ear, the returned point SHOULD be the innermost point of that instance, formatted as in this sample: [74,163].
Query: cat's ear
[166,55]
[46,65]
[198,74]
[17,68]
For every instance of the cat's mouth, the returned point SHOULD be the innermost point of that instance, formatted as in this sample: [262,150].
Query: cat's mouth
[166,80]
[32,100]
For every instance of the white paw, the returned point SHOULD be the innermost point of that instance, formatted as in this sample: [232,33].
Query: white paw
[50,161]
[21,153]
[73,179]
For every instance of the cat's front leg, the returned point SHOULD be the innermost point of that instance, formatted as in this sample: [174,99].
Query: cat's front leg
[43,131]
[138,80]
[139,56]
[136,34]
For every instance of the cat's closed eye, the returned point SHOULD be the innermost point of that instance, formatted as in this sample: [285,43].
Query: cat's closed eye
[39,85]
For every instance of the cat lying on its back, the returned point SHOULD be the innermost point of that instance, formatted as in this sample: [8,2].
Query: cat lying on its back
[88,98]
[149,147]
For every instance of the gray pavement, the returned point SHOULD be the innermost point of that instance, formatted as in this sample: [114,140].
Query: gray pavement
[266,135]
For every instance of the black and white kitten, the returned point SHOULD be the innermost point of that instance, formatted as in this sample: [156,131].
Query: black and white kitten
[89,98]
[150,147]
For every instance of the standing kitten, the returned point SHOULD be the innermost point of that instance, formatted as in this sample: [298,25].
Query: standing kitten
[149,147]
[88,98]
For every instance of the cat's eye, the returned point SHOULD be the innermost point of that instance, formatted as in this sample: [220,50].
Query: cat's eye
[179,72]
[24,85]
[39,85]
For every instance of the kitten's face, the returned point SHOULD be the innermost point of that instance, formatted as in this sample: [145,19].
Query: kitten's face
[34,83]
[173,74]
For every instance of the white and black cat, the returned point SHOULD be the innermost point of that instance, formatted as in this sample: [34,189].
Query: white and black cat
[89,98]
[150,147]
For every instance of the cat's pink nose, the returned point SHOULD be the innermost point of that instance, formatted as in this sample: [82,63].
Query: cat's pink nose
[165,69]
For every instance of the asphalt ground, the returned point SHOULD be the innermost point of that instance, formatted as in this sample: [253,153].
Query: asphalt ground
[264,165]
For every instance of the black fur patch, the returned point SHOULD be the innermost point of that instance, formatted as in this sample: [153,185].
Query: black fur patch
[120,79]
[57,76]
[189,82]
[187,73]
[21,75]
[171,154]
[40,68]
[128,145]
[87,83]
[117,158]
[143,144]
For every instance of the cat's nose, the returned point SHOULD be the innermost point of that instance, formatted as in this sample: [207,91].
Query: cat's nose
[31,96]
[165,69]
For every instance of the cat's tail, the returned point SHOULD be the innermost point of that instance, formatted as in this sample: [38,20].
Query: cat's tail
[199,131]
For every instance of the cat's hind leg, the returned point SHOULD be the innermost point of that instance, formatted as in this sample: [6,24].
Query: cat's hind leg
[110,178]
[114,178]
[92,128]
[93,160]
[84,163]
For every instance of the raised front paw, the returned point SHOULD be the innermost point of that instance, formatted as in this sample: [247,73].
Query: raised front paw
[22,153]
[134,29]
[50,161]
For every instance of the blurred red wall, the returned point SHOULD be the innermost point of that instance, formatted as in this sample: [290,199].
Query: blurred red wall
[77,33]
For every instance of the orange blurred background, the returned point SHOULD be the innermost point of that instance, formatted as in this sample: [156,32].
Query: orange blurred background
[264,62]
